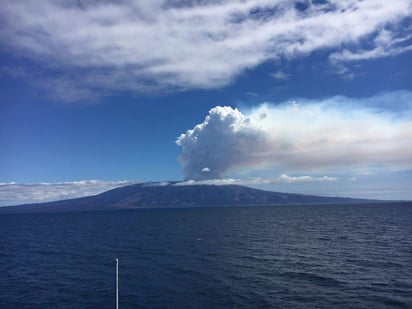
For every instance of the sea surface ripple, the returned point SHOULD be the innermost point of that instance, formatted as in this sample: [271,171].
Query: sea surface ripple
[318,256]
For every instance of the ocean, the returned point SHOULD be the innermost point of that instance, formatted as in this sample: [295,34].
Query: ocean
[312,256]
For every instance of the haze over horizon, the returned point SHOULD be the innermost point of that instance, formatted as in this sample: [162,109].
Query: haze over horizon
[309,97]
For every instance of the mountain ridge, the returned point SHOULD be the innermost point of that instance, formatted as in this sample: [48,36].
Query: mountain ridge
[177,195]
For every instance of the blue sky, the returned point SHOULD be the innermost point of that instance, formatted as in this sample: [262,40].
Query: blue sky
[298,96]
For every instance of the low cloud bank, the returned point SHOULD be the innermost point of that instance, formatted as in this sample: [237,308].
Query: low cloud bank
[15,193]
[335,134]
[258,180]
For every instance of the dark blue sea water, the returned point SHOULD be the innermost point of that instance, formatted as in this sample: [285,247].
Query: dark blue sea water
[347,256]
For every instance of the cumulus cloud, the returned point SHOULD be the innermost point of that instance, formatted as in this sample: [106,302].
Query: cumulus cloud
[302,136]
[146,46]
[17,193]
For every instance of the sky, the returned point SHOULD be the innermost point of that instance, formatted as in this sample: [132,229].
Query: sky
[309,97]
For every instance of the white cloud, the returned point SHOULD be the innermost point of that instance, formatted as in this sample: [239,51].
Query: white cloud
[146,46]
[296,179]
[377,52]
[258,180]
[309,135]
[385,45]
[279,75]
[16,193]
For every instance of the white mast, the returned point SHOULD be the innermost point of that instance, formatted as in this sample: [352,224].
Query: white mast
[117,283]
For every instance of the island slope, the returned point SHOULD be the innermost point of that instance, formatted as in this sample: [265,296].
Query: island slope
[174,194]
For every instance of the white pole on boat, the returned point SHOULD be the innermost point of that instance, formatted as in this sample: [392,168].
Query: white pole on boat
[117,283]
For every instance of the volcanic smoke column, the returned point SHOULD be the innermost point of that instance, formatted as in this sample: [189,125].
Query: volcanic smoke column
[224,140]
[338,135]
